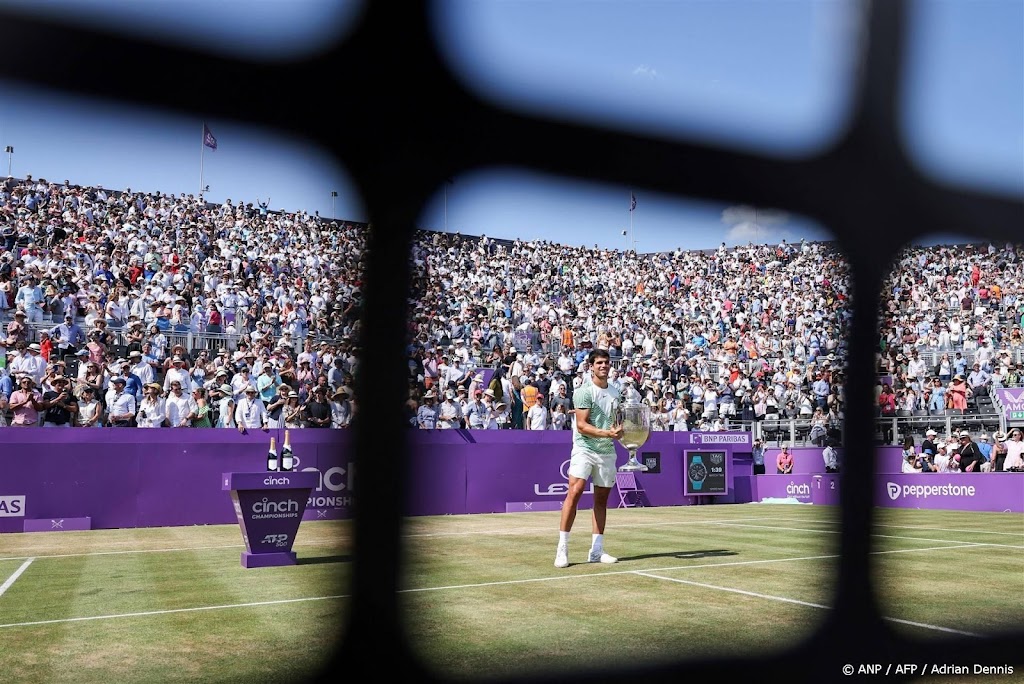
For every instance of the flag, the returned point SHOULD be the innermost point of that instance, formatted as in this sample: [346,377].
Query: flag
[210,141]
[632,201]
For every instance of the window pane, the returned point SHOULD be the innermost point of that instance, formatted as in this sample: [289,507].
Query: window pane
[262,30]
[949,393]
[774,76]
[481,593]
[964,101]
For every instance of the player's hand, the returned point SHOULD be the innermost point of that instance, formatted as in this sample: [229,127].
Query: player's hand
[617,432]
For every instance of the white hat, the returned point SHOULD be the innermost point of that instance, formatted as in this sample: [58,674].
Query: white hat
[33,347]
[489,392]
[964,433]
[930,433]
[541,370]
[449,394]
[430,395]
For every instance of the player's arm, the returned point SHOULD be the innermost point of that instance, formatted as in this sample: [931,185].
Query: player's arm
[584,427]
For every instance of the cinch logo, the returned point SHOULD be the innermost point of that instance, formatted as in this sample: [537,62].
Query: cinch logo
[793,489]
[267,506]
[893,489]
[719,438]
[277,480]
[335,479]
[12,506]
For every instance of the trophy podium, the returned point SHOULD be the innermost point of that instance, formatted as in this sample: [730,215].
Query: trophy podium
[635,419]
[269,506]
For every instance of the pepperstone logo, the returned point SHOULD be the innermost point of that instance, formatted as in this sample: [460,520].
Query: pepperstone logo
[895,491]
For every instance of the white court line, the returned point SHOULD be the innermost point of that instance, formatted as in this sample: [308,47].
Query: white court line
[909,527]
[443,588]
[528,530]
[17,573]
[174,610]
[800,603]
[884,536]
[556,578]
[183,548]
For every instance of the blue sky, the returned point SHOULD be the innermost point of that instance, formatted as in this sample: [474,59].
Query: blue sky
[774,77]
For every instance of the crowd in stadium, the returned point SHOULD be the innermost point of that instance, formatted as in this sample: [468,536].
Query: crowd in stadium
[171,311]
[148,310]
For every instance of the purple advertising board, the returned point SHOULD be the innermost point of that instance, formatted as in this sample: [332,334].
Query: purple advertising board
[152,478]
[960,491]
[995,492]
[1012,401]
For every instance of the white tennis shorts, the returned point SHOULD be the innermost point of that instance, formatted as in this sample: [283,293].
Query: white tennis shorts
[599,467]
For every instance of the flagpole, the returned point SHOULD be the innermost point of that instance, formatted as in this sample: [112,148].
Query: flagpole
[202,151]
[631,240]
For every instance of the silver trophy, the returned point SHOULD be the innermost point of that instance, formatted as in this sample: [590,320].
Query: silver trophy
[635,419]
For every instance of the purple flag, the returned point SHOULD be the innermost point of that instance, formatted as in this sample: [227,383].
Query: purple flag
[211,142]
[632,201]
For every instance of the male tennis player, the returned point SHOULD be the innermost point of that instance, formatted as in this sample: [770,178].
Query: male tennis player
[593,456]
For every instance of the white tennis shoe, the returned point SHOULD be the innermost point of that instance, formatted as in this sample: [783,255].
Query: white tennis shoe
[562,556]
[598,556]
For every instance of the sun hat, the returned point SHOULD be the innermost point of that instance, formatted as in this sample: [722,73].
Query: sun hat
[226,388]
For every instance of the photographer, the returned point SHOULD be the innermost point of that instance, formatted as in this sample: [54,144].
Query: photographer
[59,404]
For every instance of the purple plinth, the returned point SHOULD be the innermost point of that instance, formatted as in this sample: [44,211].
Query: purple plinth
[268,560]
[269,508]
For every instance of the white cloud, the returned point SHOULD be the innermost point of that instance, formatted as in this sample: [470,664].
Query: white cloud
[646,71]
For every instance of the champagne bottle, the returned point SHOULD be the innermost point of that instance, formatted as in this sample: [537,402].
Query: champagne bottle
[286,453]
[272,455]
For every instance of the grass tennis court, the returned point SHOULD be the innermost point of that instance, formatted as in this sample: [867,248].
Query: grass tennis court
[481,597]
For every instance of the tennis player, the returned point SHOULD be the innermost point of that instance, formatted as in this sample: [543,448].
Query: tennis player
[593,456]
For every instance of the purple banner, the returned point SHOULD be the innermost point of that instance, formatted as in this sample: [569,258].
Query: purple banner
[153,478]
[1012,400]
[960,491]
[955,491]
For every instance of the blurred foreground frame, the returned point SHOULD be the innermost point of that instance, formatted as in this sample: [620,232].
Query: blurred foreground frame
[863,188]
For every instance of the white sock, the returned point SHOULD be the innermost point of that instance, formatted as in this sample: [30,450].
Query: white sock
[563,537]
[598,543]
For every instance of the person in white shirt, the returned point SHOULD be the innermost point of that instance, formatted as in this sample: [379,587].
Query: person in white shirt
[141,368]
[152,408]
[179,408]
[122,406]
[539,416]
[226,407]
[90,413]
[449,413]
[178,373]
[251,413]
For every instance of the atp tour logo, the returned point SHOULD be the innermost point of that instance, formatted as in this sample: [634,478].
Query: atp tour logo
[719,438]
[276,539]
[12,506]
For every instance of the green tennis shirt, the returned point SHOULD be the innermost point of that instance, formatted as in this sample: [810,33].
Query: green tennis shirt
[602,404]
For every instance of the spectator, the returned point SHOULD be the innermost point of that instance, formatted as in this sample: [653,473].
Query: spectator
[784,461]
[757,452]
[317,410]
[428,415]
[969,457]
[152,411]
[201,417]
[60,404]
[122,404]
[538,417]
[1014,450]
[90,411]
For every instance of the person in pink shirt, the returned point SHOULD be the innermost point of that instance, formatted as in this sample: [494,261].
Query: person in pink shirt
[784,461]
[25,403]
